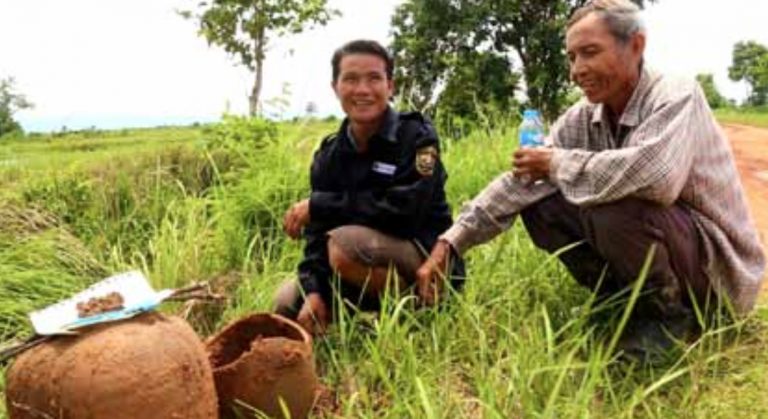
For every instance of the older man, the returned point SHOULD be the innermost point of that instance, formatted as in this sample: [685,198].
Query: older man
[639,162]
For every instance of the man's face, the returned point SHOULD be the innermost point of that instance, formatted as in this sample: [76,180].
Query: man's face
[603,67]
[363,87]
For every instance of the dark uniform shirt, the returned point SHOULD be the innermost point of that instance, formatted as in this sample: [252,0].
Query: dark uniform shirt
[384,188]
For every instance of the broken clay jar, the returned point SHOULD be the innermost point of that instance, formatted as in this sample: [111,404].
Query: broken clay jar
[151,366]
[261,360]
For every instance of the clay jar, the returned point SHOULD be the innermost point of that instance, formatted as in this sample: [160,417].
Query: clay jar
[151,366]
[259,360]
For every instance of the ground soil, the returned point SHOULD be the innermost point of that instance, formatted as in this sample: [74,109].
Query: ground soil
[750,147]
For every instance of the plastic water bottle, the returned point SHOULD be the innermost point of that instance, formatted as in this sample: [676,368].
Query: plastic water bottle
[531,130]
[531,133]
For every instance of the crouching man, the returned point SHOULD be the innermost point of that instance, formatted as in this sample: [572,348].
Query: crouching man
[377,196]
[640,161]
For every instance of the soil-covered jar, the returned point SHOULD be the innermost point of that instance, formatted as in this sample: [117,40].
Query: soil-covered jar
[151,366]
[259,361]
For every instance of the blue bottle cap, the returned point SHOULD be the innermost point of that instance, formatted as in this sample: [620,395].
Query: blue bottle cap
[530,113]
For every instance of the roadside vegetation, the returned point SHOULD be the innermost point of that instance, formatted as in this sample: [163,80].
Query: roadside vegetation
[205,203]
[757,117]
[185,204]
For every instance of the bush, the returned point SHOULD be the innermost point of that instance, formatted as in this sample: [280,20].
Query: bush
[241,134]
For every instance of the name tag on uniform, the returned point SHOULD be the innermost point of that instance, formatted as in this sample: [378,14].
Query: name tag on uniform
[384,168]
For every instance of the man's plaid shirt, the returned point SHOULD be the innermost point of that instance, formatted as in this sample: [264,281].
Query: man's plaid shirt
[669,150]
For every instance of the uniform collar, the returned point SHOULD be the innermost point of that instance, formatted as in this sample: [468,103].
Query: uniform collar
[631,115]
[387,131]
[388,128]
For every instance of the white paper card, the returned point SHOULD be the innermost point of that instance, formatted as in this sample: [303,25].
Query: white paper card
[62,317]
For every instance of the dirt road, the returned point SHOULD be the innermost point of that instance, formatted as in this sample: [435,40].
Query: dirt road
[750,146]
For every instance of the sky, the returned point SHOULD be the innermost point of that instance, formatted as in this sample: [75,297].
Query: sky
[112,64]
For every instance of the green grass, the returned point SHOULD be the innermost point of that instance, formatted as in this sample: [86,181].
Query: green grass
[757,117]
[519,340]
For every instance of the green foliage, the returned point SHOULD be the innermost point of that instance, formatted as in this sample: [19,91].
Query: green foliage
[427,36]
[251,211]
[115,206]
[536,32]
[243,28]
[40,262]
[437,41]
[10,102]
[715,99]
[485,82]
[750,64]
[521,340]
[754,116]
[241,135]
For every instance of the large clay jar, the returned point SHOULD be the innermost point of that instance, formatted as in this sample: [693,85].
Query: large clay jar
[260,360]
[151,366]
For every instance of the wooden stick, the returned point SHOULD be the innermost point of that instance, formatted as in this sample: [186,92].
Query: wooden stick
[10,351]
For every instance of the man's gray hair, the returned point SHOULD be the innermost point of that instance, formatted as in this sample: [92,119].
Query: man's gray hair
[621,16]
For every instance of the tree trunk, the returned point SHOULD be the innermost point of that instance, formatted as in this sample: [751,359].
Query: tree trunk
[253,99]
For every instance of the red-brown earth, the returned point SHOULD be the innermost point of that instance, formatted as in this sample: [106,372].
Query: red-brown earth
[750,147]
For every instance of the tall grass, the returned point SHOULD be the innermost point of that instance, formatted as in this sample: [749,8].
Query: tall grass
[521,340]
[757,117]
[40,262]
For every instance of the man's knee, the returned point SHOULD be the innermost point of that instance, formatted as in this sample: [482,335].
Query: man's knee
[607,226]
[534,220]
[552,223]
[363,257]
[349,253]
[339,259]
[624,232]
[608,215]
[355,248]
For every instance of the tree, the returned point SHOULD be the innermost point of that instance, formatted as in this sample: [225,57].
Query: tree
[715,99]
[750,63]
[484,79]
[427,36]
[244,28]
[310,109]
[10,103]
[432,36]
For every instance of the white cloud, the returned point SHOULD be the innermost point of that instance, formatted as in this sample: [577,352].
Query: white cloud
[108,63]
[118,63]
[86,61]
[689,37]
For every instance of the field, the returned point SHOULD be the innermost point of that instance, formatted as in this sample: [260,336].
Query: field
[205,203]
[757,117]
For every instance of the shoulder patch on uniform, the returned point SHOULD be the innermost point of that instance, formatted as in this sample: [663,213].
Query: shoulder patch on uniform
[426,160]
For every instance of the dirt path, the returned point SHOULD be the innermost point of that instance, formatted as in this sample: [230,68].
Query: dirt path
[750,146]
